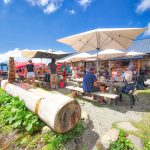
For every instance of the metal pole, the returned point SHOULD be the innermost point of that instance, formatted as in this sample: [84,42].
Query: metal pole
[97,61]
[109,65]
[41,65]
[98,48]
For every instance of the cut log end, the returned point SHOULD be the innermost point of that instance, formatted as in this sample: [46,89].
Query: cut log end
[68,117]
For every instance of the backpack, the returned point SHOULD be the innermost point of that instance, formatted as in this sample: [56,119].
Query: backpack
[127,88]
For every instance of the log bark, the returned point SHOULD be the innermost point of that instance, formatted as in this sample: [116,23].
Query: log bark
[59,112]
[11,72]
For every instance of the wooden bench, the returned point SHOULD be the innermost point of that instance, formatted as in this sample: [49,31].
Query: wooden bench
[106,95]
[75,90]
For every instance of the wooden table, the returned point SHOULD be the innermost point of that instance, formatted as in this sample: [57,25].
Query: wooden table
[78,80]
[112,85]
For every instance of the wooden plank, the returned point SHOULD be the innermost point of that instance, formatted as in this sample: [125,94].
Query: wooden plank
[108,95]
[75,88]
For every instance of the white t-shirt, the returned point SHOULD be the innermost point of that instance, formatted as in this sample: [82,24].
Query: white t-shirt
[128,75]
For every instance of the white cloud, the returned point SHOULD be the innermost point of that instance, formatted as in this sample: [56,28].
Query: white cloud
[147,32]
[12,53]
[84,3]
[72,11]
[6,1]
[48,6]
[143,6]
[16,53]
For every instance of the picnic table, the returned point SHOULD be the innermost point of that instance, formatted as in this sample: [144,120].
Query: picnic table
[118,86]
[79,81]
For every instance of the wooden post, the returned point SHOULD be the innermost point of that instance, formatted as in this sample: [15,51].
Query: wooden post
[139,65]
[11,70]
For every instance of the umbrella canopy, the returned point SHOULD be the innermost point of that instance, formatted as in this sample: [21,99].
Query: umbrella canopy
[108,54]
[23,64]
[111,38]
[42,54]
[100,39]
[133,53]
[75,58]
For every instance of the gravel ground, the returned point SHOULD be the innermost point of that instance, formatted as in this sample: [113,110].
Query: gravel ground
[104,117]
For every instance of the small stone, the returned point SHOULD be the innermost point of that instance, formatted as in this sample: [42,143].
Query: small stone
[137,142]
[110,136]
[126,126]
[105,141]
[86,118]
[46,129]
[114,134]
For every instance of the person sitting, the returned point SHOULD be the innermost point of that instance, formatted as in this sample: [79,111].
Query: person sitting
[89,82]
[75,72]
[90,85]
[128,75]
[119,76]
[105,73]
[80,72]
[143,73]
[114,73]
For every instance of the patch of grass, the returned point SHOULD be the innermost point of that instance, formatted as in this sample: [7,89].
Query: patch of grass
[57,141]
[145,92]
[144,128]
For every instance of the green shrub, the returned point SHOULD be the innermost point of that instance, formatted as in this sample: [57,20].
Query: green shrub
[16,114]
[147,145]
[122,143]
[56,141]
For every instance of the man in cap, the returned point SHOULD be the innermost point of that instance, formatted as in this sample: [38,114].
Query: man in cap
[89,81]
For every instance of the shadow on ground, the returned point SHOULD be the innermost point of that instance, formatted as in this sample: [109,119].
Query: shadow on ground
[86,141]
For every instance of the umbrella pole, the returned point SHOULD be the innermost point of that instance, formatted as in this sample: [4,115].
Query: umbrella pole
[109,65]
[131,59]
[41,65]
[97,64]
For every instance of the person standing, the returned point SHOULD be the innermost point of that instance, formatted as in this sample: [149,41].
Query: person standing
[30,72]
[53,74]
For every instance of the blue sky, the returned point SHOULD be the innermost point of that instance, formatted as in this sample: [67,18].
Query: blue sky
[36,24]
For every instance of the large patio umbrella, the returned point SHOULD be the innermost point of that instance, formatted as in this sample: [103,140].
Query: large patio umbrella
[42,54]
[100,39]
[75,58]
[108,54]
[133,53]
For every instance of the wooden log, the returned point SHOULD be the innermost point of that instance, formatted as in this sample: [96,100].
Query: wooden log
[59,112]
[11,73]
